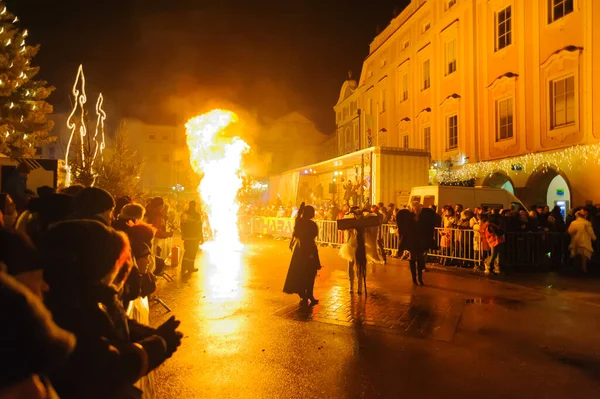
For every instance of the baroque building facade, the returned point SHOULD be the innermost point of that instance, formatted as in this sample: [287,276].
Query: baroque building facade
[500,92]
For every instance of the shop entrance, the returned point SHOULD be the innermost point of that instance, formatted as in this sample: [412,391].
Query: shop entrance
[549,187]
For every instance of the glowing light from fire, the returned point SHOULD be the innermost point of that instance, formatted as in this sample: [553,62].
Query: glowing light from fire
[217,159]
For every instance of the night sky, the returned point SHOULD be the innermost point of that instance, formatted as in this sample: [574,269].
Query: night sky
[165,60]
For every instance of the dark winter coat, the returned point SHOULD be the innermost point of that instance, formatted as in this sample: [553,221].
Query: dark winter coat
[106,361]
[416,236]
[305,257]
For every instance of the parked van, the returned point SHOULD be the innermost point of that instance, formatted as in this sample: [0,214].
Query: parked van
[469,197]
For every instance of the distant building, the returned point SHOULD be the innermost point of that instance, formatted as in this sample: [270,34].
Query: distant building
[163,150]
[502,92]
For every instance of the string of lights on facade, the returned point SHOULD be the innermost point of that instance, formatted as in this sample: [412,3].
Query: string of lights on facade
[528,163]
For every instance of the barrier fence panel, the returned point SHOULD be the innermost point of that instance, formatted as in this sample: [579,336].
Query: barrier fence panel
[328,233]
[457,245]
[536,249]
[389,235]
[451,245]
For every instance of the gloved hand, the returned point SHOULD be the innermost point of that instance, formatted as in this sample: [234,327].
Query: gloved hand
[168,331]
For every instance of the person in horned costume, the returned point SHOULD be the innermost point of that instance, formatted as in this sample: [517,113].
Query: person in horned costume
[360,248]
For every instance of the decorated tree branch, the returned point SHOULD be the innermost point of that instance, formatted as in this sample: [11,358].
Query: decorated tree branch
[24,125]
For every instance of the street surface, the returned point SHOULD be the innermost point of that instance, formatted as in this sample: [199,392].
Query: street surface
[460,336]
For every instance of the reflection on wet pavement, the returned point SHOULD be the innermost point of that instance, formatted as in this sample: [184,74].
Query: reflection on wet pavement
[223,300]
[417,316]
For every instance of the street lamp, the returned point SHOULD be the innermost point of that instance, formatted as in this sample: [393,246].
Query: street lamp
[177,189]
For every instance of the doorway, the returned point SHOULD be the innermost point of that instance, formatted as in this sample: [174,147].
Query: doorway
[549,187]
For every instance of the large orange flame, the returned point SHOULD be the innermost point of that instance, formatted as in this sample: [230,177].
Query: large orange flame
[218,160]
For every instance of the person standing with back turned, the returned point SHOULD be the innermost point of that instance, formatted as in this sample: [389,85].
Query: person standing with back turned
[192,236]
[305,257]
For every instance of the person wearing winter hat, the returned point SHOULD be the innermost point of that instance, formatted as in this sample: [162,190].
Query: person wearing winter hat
[20,260]
[120,202]
[86,264]
[51,209]
[130,215]
[95,204]
[31,344]
[72,190]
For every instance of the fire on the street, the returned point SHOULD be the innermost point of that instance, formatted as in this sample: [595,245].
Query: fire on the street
[218,160]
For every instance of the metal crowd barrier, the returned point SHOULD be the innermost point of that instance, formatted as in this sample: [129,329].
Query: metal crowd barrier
[536,249]
[457,245]
[328,233]
[460,246]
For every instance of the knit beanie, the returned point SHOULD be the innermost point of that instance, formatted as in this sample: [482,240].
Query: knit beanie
[140,249]
[93,200]
[79,253]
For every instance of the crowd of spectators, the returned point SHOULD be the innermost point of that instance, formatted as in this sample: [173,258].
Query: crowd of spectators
[460,236]
[71,264]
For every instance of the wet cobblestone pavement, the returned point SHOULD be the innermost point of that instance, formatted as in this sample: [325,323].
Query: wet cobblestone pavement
[461,335]
[420,317]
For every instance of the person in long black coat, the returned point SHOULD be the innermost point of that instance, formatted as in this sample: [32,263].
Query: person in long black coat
[416,231]
[305,257]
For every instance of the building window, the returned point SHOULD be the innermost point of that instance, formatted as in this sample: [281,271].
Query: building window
[426,75]
[38,151]
[504,119]
[406,44]
[426,27]
[562,102]
[558,9]
[504,33]
[450,57]
[427,138]
[405,141]
[166,158]
[450,3]
[405,87]
[165,137]
[383,100]
[452,126]
[152,136]
[52,152]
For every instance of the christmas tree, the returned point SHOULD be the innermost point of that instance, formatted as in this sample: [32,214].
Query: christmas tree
[121,172]
[23,109]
